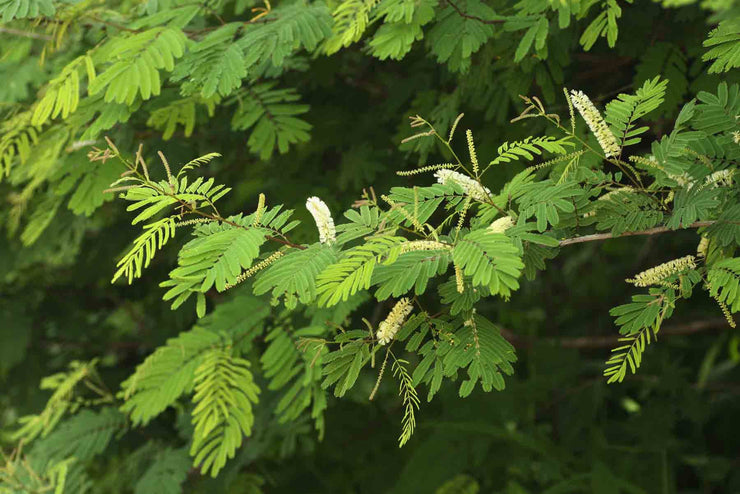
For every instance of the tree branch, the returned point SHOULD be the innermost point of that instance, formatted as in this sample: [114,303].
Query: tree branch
[606,236]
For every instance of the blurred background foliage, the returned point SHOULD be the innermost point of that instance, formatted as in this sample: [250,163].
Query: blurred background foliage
[557,428]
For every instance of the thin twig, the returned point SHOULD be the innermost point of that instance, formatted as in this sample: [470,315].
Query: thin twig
[194,210]
[25,34]
[116,25]
[474,17]
[221,219]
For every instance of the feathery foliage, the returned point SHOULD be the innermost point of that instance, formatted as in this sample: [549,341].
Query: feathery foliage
[354,271]
[293,277]
[166,473]
[302,316]
[342,366]
[294,361]
[490,259]
[83,436]
[410,400]
[137,61]
[166,375]
[224,395]
[480,349]
[622,112]
[273,117]
[723,45]
[22,9]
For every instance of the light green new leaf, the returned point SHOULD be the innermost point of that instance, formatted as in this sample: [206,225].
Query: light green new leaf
[724,282]
[491,260]
[644,311]
[724,46]
[25,9]
[216,257]
[137,59]
[62,94]
[410,270]
[622,112]
[402,26]
[351,18]
[354,271]
[293,276]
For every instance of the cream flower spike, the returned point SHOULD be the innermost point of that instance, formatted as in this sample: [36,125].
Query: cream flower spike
[702,248]
[656,275]
[596,123]
[417,245]
[324,222]
[721,178]
[389,327]
[470,186]
[501,225]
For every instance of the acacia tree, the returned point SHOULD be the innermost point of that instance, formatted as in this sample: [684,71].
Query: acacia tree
[599,142]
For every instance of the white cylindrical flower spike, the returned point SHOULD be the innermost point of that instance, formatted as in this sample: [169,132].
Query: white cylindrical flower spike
[596,123]
[470,186]
[389,327]
[656,275]
[417,245]
[324,222]
[501,225]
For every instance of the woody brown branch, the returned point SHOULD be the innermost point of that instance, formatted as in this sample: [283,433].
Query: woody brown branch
[651,231]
